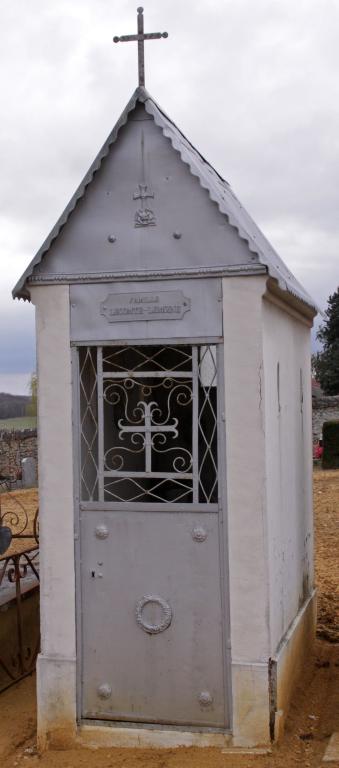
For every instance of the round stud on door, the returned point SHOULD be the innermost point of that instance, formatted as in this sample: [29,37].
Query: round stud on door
[199,533]
[101,531]
[205,699]
[104,691]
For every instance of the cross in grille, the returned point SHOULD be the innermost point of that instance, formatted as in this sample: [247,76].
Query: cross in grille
[148,428]
[140,37]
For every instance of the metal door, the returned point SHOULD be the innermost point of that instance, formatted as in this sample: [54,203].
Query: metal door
[152,619]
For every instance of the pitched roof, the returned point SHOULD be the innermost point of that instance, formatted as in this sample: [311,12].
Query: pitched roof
[218,189]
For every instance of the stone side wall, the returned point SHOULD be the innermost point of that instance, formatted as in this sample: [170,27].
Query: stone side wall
[16,445]
[324,408]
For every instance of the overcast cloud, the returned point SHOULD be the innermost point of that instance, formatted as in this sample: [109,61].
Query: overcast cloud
[253,83]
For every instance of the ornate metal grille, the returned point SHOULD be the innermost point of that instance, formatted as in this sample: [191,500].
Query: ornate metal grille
[148,418]
[89,422]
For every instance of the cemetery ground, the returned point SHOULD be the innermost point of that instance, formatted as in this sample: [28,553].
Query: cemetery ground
[314,712]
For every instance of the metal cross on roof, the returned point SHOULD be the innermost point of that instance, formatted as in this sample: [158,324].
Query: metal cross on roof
[140,37]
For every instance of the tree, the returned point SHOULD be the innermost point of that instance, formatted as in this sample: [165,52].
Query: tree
[31,409]
[326,362]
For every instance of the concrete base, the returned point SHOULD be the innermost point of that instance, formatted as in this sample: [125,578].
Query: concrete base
[95,736]
[332,752]
[288,663]
[250,705]
[56,699]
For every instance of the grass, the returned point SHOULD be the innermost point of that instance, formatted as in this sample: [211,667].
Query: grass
[20,422]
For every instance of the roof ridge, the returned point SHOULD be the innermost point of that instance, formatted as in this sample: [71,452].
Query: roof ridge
[194,149]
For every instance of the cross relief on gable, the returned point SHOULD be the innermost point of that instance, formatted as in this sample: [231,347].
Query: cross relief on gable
[144,216]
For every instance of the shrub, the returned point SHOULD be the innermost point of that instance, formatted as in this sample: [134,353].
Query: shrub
[331,445]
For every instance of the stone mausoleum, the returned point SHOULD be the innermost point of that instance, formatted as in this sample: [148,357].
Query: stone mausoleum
[177,599]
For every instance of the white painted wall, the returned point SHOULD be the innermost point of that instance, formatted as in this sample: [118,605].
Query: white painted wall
[56,662]
[288,448]
[269,486]
[246,507]
[246,471]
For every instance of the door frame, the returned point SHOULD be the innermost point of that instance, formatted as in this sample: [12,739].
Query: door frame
[222,524]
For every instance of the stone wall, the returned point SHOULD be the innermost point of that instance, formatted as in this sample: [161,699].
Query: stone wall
[324,408]
[16,445]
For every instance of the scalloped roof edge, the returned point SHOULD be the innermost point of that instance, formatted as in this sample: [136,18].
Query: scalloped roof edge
[218,189]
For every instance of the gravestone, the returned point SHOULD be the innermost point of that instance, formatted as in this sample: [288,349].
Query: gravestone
[174,453]
[29,472]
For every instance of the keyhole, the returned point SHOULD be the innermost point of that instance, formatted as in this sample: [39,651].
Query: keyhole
[93,574]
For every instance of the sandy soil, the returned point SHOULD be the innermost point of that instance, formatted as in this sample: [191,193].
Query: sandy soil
[17,510]
[314,712]
[326,511]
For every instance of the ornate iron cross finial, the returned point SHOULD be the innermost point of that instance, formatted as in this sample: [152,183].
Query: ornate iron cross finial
[140,37]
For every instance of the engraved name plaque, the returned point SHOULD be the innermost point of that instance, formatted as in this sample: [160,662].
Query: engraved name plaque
[156,305]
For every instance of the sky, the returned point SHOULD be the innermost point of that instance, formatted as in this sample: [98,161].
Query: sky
[253,83]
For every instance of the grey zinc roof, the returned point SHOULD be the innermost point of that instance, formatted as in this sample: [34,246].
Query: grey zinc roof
[218,189]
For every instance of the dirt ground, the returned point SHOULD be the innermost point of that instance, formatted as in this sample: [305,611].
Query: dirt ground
[326,511]
[314,713]
[17,510]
